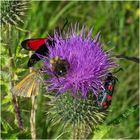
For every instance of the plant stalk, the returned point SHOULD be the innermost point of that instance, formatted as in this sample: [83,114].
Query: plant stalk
[32,118]
[12,83]
[33,113]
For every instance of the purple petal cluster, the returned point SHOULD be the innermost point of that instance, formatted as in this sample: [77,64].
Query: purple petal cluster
[89,63]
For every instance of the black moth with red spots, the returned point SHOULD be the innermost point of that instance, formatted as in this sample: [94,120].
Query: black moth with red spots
[39,46]
[105,96]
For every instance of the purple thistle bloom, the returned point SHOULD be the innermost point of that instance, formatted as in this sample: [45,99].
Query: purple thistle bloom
[88,63]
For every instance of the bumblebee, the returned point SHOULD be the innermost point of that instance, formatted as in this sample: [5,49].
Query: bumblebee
[59,66]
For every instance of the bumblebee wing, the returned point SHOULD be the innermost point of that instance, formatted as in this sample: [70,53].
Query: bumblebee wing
[27,85]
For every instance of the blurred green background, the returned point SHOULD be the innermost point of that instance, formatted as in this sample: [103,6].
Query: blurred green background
[118,23]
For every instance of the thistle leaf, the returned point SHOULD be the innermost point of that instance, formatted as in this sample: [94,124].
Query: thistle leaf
[101,131]
[123,116]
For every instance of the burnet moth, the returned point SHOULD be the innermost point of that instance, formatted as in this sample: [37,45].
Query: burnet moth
[39,46]
[105,95]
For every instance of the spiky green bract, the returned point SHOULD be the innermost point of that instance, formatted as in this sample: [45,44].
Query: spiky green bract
[82,115]
[13,12]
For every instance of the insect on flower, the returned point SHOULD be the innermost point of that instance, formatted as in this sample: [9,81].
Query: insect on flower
[29,86]
[40,46]
[59,66]
[85,63]
[105,96]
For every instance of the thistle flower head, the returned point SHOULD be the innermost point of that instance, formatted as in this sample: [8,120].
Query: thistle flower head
[77,63]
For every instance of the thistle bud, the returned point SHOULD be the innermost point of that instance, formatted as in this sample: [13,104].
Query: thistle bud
[13,12]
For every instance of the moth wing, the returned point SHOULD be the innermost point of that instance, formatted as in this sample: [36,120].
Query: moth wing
[33,44]
[35,89]
[26,86]
[27,91]
[23,81]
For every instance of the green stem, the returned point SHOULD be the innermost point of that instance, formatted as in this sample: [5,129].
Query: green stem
[33,112]
[32,118]
[12,83]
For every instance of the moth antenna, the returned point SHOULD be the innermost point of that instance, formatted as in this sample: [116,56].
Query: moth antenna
[66,22]
[120,69]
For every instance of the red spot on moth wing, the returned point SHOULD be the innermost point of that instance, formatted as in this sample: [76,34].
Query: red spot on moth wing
[109,97]
[110,87]
[104,105]
[34,44]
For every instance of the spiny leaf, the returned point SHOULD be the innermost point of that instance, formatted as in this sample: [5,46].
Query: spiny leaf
[6,100]
[5,126]
[101,131]
[124,115]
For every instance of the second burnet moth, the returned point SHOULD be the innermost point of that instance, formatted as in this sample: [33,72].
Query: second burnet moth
[105,95]
[39,46]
